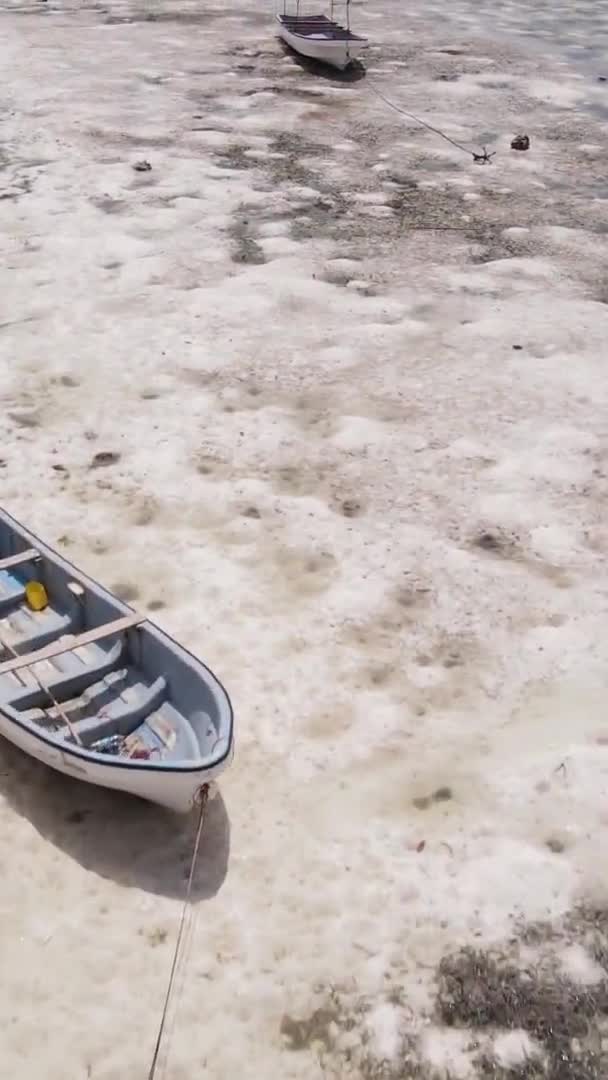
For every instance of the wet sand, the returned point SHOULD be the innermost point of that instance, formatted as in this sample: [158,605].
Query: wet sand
[356,388]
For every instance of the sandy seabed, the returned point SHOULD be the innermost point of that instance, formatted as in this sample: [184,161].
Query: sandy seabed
[353,388]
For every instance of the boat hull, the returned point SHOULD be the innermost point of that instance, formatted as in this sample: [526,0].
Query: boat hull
[175,790]
[337,54]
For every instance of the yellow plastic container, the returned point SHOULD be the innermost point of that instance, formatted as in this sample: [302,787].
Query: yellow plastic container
[35,594]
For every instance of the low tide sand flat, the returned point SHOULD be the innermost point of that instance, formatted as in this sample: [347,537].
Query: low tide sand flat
[327,401]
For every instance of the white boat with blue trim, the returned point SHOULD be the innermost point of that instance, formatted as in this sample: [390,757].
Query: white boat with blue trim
[97,691]
[319,38]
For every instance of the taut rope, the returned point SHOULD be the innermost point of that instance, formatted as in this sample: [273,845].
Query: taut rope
[203,798]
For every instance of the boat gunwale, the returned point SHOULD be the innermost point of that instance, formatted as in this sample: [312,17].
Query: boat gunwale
[321,24]
[149,626]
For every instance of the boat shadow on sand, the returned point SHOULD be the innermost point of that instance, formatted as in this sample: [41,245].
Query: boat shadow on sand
[118,836]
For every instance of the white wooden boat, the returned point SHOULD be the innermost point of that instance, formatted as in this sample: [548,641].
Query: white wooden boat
[97,691]
[322,39]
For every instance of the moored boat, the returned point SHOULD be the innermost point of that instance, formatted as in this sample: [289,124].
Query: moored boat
[319,38]
[97,691]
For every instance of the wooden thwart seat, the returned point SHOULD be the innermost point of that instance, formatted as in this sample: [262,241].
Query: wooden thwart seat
[56,648]
[30,555]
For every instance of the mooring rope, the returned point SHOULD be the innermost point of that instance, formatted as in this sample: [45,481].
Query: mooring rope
[482,159]
[203,799]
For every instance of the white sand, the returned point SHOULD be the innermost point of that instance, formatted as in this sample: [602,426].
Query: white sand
[307,366]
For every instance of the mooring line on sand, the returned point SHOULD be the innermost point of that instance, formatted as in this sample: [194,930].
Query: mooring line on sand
[203,800]
[482,158]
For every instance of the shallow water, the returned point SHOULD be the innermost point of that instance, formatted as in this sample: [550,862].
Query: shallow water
[579,35]
[578,32]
